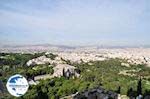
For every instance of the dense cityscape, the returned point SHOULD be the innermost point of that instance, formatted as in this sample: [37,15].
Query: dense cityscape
[86,72]
[74,49]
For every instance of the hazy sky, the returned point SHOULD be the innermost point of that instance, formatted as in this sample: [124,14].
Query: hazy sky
[75,22]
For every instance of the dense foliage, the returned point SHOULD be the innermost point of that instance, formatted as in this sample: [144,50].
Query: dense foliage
[93,74]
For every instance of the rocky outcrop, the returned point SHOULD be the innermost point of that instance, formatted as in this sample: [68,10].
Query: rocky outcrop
[43,60]
[65,70]
[97,93]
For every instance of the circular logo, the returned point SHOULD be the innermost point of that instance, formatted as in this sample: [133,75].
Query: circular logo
[17,85]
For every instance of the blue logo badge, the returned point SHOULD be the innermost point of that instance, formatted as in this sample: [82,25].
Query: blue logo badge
[17,85]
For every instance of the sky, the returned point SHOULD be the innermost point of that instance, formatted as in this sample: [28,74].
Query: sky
[75,22]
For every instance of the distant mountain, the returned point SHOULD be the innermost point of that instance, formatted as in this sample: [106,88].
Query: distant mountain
[37,45]
[34,48]
[50,47]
